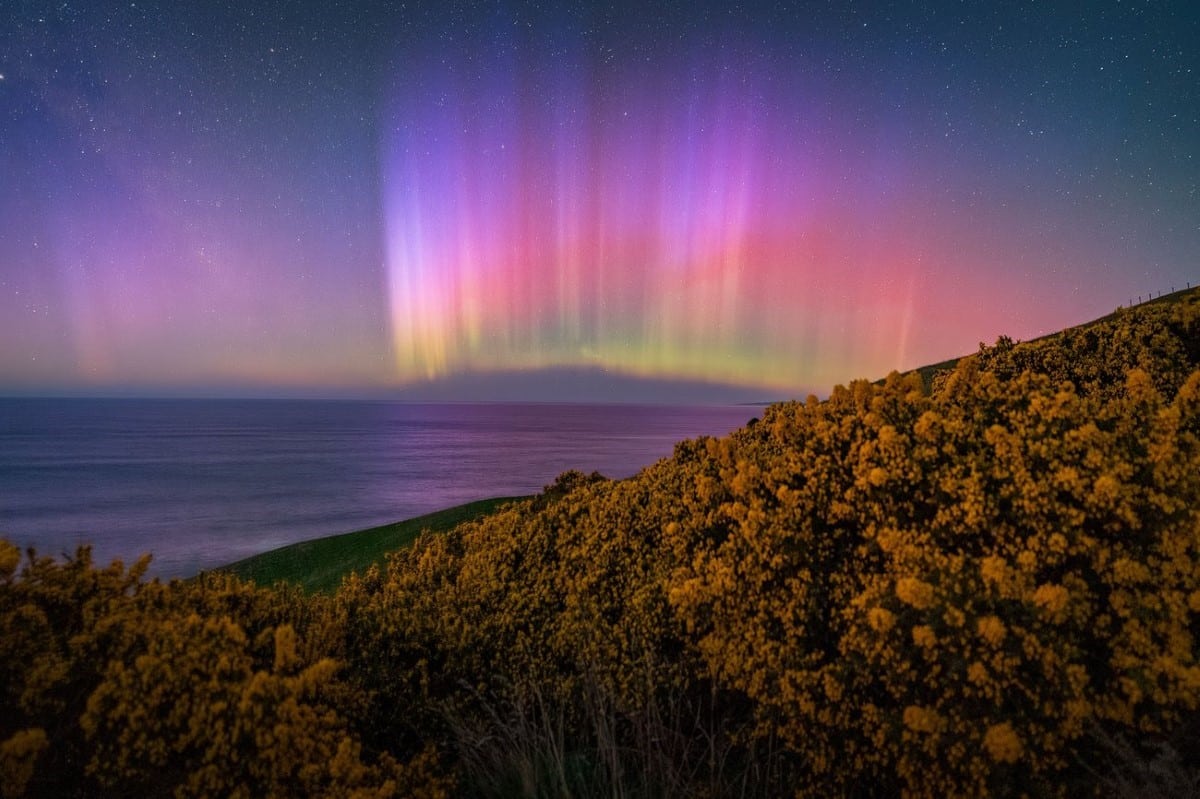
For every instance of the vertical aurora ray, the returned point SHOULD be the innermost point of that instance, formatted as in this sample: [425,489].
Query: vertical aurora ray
[643,228]
[697,215]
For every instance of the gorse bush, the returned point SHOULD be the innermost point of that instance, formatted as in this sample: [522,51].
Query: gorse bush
[969,588]
[117,687]
[959,583]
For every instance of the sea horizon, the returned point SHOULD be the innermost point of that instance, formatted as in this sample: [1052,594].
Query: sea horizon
[201,482]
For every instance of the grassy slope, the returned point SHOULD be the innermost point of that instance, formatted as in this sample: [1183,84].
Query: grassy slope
[320,564]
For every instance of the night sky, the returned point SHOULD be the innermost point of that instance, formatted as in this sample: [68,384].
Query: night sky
[459,199]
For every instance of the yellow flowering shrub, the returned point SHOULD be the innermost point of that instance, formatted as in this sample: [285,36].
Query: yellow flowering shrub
[114,686]
[194,705]
[983,609]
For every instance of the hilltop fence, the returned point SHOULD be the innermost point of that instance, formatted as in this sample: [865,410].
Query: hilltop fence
[1144,298]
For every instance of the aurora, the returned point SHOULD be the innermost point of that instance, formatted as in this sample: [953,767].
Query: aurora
[375,201]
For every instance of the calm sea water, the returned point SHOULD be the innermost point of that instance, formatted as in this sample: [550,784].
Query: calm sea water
[201,483]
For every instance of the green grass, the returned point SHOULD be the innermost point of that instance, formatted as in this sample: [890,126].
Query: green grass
[320,564]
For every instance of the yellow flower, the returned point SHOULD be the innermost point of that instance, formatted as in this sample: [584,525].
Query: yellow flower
[923,635]
[977,673]
[914,592]
[994,570]
[1002,743]
[1051,598]
[1129,572]
[922,719]
[880,619]
[991,629]
[1106,489]
[954,617]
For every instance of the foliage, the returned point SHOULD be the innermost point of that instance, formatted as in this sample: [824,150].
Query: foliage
[115,686]
[950,587]
[990,586]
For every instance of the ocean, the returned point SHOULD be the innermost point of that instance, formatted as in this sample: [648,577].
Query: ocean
[202,483]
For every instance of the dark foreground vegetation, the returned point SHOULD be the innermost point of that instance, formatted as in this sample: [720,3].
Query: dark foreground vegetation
[983,583]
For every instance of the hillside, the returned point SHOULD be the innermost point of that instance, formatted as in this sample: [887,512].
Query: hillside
[984,585]
[322,563]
